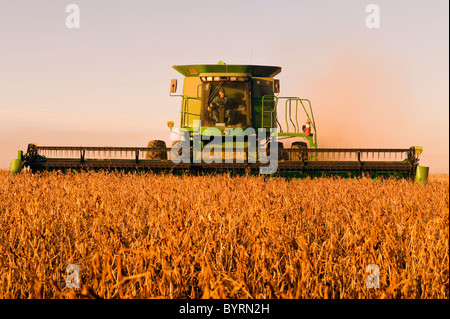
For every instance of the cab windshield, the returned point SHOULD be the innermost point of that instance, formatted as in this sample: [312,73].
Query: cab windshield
[225,103]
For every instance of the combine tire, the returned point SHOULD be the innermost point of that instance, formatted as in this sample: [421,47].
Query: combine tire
[159,153]
[281,153]
[298,151]
[180,151]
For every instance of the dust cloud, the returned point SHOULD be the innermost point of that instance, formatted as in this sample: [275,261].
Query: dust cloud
[360,104]
[370,103]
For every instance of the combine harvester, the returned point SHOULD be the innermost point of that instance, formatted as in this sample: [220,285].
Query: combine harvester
[229,123]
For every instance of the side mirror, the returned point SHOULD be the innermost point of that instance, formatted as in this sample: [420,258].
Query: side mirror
[276,86]
[173,86]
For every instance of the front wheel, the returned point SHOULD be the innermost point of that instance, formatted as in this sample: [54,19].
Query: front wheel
[299,151]
[158,152]
[281,152]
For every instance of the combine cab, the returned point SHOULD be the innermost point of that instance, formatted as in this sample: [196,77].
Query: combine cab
[229,122]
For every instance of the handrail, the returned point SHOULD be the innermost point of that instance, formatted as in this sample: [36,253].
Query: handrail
[281,128]
[288,113]
[275,98]
[184,110]
[290,117]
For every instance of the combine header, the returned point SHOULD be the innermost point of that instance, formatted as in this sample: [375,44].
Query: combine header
[229,122]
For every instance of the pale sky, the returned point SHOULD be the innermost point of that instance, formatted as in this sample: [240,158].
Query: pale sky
[107,83]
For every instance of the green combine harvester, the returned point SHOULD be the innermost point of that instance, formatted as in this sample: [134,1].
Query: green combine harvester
[229,123]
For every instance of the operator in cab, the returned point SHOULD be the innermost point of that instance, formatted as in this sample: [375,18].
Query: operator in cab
[221,101]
